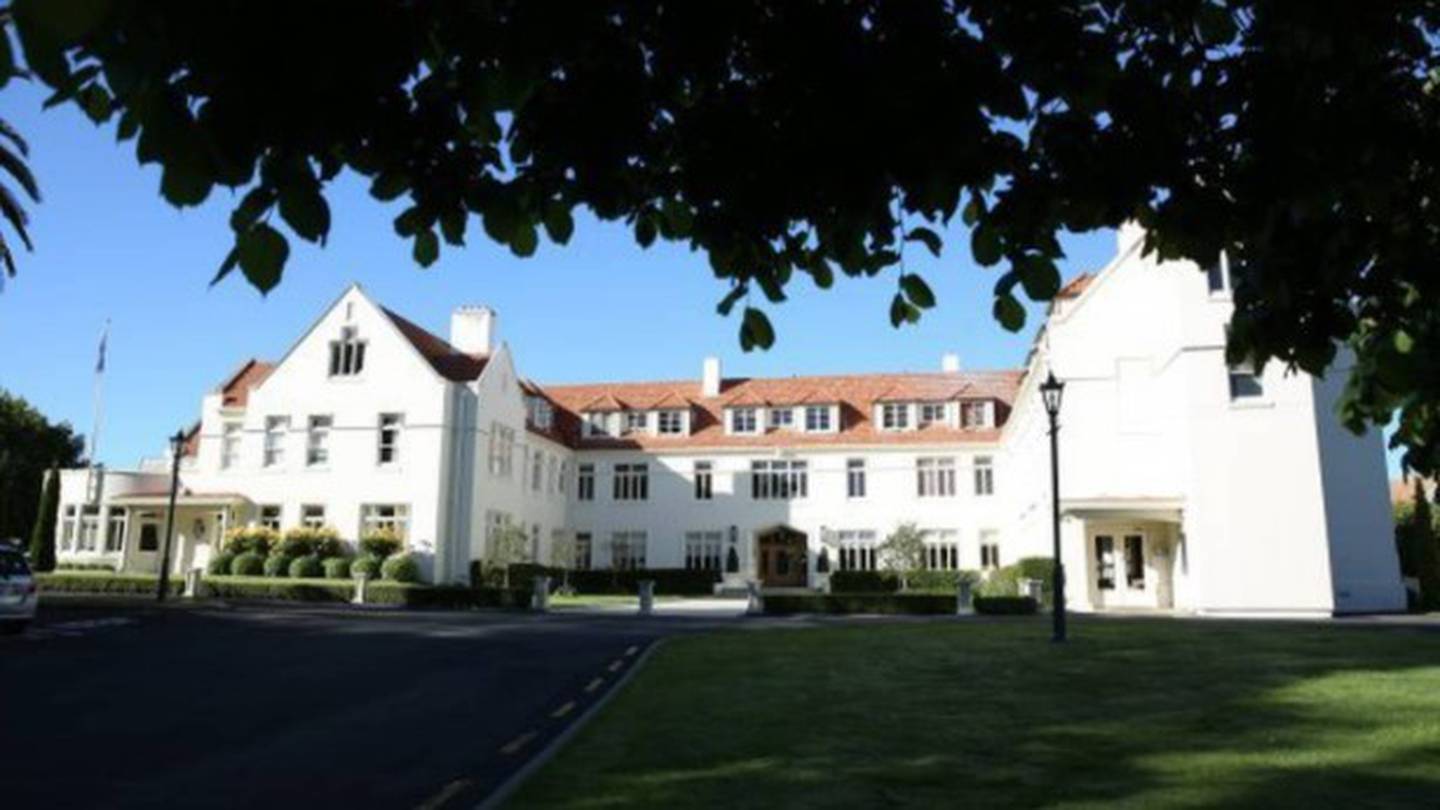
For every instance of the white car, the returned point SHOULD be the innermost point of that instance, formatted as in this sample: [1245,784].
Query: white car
[18,594]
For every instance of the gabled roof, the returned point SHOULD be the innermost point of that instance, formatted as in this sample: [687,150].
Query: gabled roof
[1076,286]
[671,400]
[235,391]
[448,361]
[604,402]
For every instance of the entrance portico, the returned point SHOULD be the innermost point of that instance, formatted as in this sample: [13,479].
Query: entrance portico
[782,559]
[201,520]
[1121,553]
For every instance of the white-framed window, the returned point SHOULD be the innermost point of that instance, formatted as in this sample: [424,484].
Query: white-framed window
[387,450]
[89,527]
[781,418]
[858,549]
[627,550]
[855,478]
[317,441]
[495,521]
[392,517]
[149,531]
[1105,562]
[779,479]
[230,444]
[989,549]
[975,414]
[942,549]
[631,482]
[583,551]
[935,476]
[984,476]
[312,516]
[894,416]
[1245,382]
[347,355]
[275,429]
[540,412]
[704,480]
[635,421]
[702,550]
[562,485]
[670,423]
[597,423]
[537,470]
[817,418]
[743,420]
[931,413]
[269,517]
[585,482]
[552,475]
[502,450]
[115,525]
[67,528]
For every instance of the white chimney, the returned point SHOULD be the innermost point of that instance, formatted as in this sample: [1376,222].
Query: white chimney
[710,378]
[950,363]
[472,329]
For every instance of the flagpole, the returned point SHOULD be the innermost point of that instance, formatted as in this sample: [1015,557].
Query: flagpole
[99,395]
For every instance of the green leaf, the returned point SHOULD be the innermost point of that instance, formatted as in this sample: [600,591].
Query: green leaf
[524,240]
[559,224]
[96,102]
[1404,343]
[251,208]
[757,326]
[728,302]
[679,216]
[7,60]
[645,230]
[917,291]
[231,259]
[973,209]
[389,186]
[69,19]
[304,209]
[263,253]
[452,225]
[427,247]
[410,221]
[186,179]
[985,244]
[1009,312]
[1039,277]
[929,237]
[1215,25]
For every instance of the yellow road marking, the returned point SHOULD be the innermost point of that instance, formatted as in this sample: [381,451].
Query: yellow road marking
[616,664]
[517,743]
[446,794]
[593,685]
[563,710]
[633,649]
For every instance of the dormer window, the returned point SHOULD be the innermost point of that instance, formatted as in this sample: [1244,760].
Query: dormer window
[817,418]
[894,416]
[347,355]
[975,414]
[597,423]
[636,421]
[781,418]
[743,420]
[670,423]
[541,414]
[931,413]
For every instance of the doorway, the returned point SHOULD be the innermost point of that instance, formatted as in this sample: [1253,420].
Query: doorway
[783,560]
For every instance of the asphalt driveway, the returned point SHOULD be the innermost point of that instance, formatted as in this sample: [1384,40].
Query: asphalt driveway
[126,706]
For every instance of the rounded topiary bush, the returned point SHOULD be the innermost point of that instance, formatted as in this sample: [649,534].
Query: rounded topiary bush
[327,547]
[380,543]
[337,568]
[401,568]
[248,564]
[278,565]
[367,565]
[306,567]
[220,564]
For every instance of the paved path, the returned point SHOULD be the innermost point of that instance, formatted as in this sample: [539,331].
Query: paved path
[124,706]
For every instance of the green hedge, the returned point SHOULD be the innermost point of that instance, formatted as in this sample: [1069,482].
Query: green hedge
[864,582]
[219,565]
[278,565]
[668,581]
[248,564]
[367,564]
[888,603]
[91,566]
[376,593]
[401,568]
[75,582]
[337,568]
[307,567]
[1006,605]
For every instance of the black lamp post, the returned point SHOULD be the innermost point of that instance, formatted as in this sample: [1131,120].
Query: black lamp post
[177,444]
[1051,391]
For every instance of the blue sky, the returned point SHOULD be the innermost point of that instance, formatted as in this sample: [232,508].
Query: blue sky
[108,246]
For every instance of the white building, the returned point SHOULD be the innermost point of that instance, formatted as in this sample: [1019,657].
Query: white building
[1185,484]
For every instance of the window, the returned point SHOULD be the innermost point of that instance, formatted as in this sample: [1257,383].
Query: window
[230,445]
[1217,279]
[67,529]
[782,418]
[275,429]
[317,441]
[89,528]
[989,555]
[894,416]
[149,536]
[1245,382]
[742,420]
[585,482]
[562,478]
[597,424]
[385,517]
[115,529]
[388,450]
[671,423]
[269,517]
[855,478]
[1135,562]
[984,476]
[312,516]
[817,418]
[942,550]
[552,475]
[857,549]
[636,421]
[632,482]
[974,414]
[582,551]
[537,470]
[935,477]
[704,480]
[502,450]
[778,479]
[702,550]
[1105,562]
[540,412]
[627,550]
[495,521]
[931,413]
[347,355]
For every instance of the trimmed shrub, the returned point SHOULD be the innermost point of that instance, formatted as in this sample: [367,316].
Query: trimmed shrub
[259,539]
[401,568]
[123,584]
[1006,605]
[378,593]
[329,547]
[940,581]
[220,564]
[381,543]
[336,567]
[306,567]
[89,566]
[249,564]
[366,564]
[669,581]
[885,603]
[864,582]
[522,576]
[278,564]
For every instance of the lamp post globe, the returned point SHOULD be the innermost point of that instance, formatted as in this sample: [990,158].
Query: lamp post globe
[1052,391]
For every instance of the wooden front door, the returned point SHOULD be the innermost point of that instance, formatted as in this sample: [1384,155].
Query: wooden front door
[783,559]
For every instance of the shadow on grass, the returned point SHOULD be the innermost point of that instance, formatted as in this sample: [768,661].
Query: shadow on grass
[1132,713]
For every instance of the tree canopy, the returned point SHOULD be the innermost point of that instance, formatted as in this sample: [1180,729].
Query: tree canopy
[786,138]
[29,445]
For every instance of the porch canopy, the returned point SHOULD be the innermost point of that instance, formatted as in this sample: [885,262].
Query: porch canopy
[184,498]
[1121,509]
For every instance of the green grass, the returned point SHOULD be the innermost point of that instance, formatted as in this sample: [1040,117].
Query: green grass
[605,600]
[984,714]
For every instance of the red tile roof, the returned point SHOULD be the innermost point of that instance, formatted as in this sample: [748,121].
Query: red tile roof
[236,389]
[448,361]
[1076,286]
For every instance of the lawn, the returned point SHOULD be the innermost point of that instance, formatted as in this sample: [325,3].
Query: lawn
[1137,713]
[605,600]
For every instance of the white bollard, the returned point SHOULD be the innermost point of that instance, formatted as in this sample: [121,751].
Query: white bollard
[192,583]
[647,596]
[964,598]
[754,605]
[360,583]
[540,595]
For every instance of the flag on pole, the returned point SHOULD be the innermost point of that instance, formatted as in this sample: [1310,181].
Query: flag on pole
[104,338]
